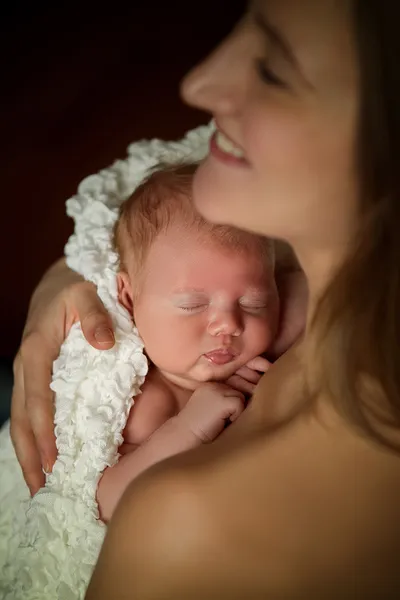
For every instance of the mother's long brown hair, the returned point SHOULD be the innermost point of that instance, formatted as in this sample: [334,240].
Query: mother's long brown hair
[357,323]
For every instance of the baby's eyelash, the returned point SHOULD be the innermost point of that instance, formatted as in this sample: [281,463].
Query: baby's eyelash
[192,308]
[266,75]
[253,307]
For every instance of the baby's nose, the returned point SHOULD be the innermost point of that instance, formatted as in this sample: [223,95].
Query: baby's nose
[225,322]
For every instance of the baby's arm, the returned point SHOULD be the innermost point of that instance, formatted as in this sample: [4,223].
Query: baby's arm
[201,421]
[171,438]
[152,408]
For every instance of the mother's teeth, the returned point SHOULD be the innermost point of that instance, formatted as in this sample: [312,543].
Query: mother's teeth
[227,146]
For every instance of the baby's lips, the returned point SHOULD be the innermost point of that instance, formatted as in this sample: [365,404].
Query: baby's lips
[220,357]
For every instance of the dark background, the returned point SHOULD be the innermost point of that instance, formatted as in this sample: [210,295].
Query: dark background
[79,82]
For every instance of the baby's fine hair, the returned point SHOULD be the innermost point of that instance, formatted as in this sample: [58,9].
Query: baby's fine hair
[164,199]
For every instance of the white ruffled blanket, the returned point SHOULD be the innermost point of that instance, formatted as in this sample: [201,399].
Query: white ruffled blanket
[49,544]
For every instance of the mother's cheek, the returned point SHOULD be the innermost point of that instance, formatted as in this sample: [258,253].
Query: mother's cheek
[282,142]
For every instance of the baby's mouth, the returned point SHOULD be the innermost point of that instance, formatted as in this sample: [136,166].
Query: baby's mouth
[221,356]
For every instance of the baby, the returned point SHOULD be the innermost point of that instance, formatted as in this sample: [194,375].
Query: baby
[205,303]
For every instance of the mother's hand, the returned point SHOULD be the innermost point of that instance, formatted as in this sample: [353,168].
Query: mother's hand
[293,295]
[61,299]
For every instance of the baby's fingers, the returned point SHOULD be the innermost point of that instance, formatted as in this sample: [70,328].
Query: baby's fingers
[259,364]
[249,374]
[238,383]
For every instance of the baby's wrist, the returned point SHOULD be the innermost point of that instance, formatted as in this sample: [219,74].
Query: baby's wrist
[178,429]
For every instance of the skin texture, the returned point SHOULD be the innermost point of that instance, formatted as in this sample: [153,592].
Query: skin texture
[194,297]
[290,502]
[200,421]
[304,127]
[61,299]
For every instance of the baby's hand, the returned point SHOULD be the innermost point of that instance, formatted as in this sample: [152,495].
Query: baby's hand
[209,409]
[246,378]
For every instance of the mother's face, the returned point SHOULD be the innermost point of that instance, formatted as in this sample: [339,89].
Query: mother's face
[283,90]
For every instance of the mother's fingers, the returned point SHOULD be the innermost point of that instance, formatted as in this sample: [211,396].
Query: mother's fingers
[22,435]
[27,454]
[293,294]
[95,321]
[37,359]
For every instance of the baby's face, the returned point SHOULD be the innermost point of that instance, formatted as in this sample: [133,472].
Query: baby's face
[204,311]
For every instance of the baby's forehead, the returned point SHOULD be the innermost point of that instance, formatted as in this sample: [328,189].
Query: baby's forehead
[225,244]
[193,258]
[178,243]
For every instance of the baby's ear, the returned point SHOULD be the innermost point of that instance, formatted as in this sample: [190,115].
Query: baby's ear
[125,296]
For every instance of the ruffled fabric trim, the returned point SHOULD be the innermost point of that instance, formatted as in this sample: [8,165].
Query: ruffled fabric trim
[50,544]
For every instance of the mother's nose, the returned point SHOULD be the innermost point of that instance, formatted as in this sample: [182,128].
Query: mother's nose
[225,322]
[217,85]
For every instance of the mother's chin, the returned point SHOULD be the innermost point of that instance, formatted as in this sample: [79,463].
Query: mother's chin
[221,192]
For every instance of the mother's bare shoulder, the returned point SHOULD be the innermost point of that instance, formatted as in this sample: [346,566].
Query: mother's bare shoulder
[290,509]
[298,507]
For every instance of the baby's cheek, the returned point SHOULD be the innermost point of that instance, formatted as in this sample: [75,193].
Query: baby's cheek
[260,335]
[174,345]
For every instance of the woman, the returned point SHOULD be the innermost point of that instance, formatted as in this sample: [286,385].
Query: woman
[299,498]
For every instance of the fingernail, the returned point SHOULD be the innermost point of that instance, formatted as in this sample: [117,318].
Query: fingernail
[47,468]
[104,335]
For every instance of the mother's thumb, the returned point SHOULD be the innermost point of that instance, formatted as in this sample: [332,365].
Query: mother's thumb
[96,324]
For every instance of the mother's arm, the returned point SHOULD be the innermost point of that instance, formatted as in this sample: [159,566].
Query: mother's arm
[307,511]
[61,298]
